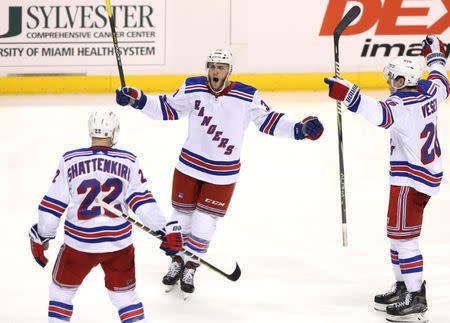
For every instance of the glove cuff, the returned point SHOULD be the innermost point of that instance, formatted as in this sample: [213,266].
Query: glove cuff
[436,58]
[36,237]
[139,104]
[353,98]
[298,131]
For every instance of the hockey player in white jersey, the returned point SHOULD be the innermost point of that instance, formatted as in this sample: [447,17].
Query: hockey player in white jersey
[410,113]
[92,235]
[219,112]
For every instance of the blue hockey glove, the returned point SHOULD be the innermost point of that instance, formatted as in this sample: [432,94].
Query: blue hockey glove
[38,245]
[310,128]
[173,239]
[131,96]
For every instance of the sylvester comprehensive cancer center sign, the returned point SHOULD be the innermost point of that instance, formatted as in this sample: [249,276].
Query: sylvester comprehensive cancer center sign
[77,33]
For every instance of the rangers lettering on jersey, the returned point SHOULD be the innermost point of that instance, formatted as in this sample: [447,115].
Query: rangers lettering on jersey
[217,123]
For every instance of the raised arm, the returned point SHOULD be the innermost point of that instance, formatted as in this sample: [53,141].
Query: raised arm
[158,107]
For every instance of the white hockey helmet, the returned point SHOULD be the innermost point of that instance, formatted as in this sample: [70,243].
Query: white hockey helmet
[103,123]
[405,66]
[222,56]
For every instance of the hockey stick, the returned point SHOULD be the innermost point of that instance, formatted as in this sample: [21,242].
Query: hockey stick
[233,276]
[350,16]
[115,42]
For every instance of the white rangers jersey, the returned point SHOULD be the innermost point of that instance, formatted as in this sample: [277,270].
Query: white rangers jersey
[217,123]
[412,119]
[110,174]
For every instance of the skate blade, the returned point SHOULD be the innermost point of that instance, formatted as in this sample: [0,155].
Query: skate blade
[186,296]
[169,288]
[412,318]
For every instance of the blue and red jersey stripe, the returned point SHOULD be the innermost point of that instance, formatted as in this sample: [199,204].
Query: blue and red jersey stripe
[167,111]
[136,199]
[435,75]
[417,173]
[270,123]
[196,88]
[388,117]
[209,166]
[52,206]
[240,95]
[85,152]
[98,234]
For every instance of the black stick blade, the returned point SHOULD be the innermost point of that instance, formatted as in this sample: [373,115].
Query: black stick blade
[349,17]
[235,274]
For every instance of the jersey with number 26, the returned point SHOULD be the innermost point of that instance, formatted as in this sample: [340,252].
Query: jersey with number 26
[111,175]
[412,119]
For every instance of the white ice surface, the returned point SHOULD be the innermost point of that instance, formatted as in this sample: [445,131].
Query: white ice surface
[283,225]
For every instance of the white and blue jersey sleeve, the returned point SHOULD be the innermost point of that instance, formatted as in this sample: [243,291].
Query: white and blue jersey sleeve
[54,203]
[379,113]
[142,202]
[168,107]
[270,122]
[437,83]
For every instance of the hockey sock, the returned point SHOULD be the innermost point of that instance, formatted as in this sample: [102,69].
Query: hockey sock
[128,305]
[395,262]
[203,228]
[60,306]
[185,219]
[410,262]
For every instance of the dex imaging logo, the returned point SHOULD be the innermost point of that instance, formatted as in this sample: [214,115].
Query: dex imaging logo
[387,16]
[381,18]
[15,23]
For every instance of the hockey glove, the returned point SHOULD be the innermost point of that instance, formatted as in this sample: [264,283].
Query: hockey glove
[433,49]
[310,128]
[131,96]
[343,90]
[173,239]
[38,244]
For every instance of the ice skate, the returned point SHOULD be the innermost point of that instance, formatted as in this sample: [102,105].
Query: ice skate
[411,309]
[170,280]
[187,279]
[394,295]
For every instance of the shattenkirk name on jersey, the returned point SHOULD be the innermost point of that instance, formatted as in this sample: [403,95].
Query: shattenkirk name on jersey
[98,164]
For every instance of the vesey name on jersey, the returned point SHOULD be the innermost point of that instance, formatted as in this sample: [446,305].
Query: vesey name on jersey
[429,108]
[212,129]
[98,164]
